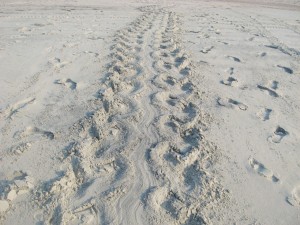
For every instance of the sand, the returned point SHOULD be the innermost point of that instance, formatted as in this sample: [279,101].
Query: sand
[149,112]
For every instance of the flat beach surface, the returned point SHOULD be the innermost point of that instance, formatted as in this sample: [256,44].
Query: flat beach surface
[149,112]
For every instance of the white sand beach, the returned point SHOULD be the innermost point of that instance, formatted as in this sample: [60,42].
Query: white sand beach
[149,112]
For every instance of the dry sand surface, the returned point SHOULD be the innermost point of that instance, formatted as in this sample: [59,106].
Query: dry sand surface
[149,112]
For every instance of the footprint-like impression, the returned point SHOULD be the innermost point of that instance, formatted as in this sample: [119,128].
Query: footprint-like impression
[262,170]
[206,49]
[262,54]
[286,69]
[14,109]
[230,103]
[268,90]
[32,131]
[182,62]
[230,81]
[67,82]
[234,58]
[57,63]
[272,46]
[294,198]
[278,135]
[230,70]
[264,114]
[274,84]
